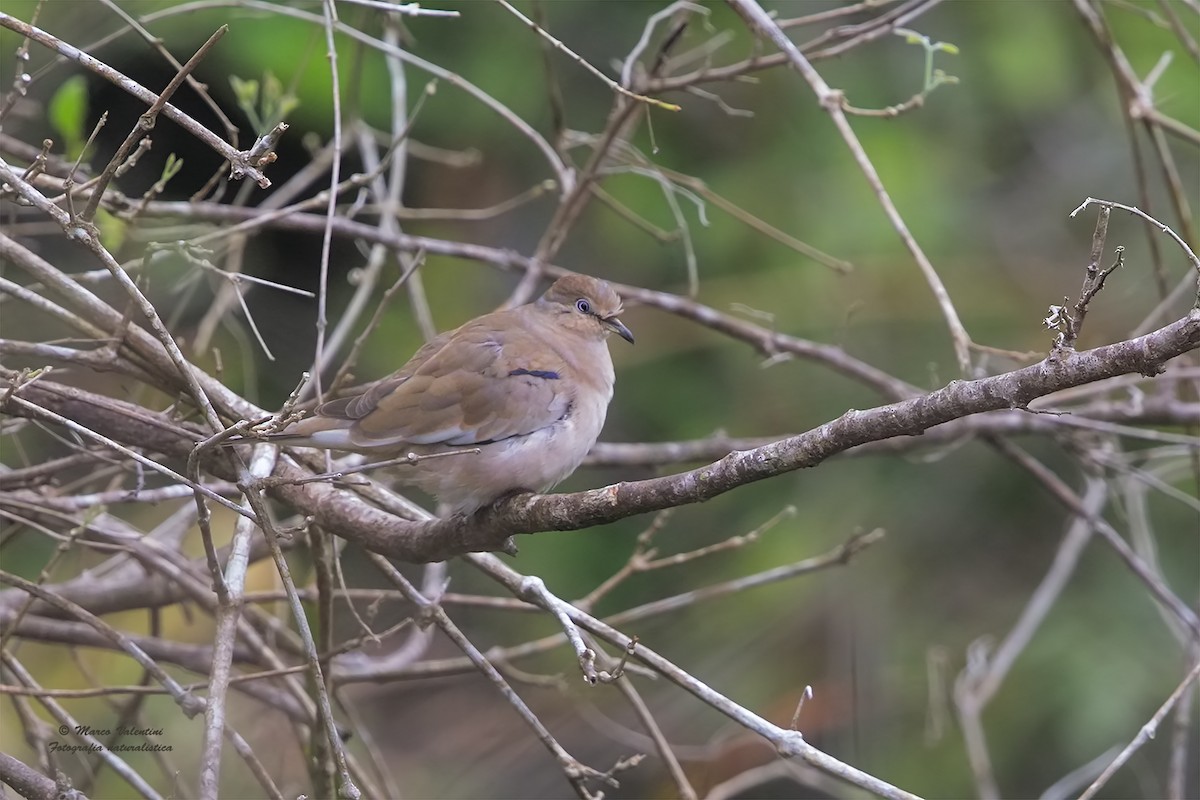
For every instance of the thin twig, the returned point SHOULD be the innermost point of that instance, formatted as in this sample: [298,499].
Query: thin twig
[830,100]
[145,123]
[1146,733]
[240,166]
[228,610]
[616,87]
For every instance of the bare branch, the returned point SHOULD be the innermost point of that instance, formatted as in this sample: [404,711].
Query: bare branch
[240,163]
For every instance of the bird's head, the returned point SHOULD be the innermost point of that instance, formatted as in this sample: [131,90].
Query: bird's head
[585,304]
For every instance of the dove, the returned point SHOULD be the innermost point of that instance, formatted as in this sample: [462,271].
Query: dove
[528,386]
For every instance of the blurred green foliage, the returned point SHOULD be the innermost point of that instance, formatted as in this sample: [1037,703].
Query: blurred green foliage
[67,112]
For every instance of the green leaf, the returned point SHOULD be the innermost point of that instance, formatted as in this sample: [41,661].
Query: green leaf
[171,168]
[245,92]
[68,113]
[272,88]
[113,230]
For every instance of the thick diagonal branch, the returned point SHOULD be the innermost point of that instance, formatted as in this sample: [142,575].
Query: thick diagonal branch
[344,513]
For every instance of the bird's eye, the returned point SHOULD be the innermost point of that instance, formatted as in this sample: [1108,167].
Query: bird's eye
[583,306]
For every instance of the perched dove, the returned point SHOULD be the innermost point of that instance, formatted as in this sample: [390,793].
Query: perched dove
[528,386]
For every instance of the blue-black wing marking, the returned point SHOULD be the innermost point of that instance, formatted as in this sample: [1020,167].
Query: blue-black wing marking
[545,374]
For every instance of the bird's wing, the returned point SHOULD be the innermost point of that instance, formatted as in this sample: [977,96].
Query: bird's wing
[357,406]
[485,383]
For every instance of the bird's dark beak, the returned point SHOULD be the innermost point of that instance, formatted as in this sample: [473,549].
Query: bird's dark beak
[619,329]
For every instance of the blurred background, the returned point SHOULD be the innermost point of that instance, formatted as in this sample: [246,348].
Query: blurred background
[985,174]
